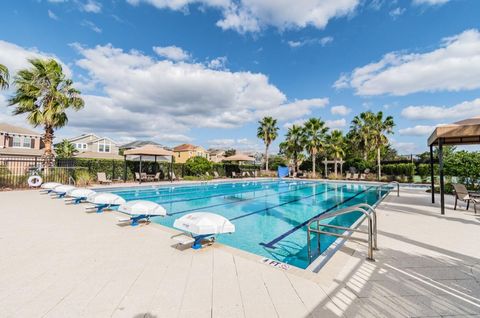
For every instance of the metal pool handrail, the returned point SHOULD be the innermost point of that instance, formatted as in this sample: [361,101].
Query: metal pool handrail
[398,186]
[369,212]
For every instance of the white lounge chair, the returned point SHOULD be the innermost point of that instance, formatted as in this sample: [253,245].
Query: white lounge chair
[199,226]
[139,210]
[104,200]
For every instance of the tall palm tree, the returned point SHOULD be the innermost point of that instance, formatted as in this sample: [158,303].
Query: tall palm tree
[314,130]
[380,128]
[336,146]
[44,94]
[65,149]
[293,145]
[268,132]
[361,132]
[4,77]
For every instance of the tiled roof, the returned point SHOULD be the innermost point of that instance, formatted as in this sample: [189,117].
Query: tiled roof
[4,127]
[185,147]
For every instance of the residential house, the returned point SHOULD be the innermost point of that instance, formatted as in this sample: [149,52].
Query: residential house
[95,147]
[20,149]
[216,155]
[20,142]
[186,151]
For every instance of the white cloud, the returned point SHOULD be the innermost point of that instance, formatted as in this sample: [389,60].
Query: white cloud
[241,144]
[160,96]
[92,26]
[16,57]
[298,108]
[340,110]
[405,147]
[173,53]
[218,63]
[430,2]
[455,66]
[395,13]
[418,130]
[338,123]
[298,122]
[463,110]
[91,6]
[253,15]
[52,15]
[322,41]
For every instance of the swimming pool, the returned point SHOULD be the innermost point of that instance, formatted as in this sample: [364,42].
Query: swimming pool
[270,216]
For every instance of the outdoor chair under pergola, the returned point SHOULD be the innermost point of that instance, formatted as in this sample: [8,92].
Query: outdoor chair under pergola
[147,151]
[464,132]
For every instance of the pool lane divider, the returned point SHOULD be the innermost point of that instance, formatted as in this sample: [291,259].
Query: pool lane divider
[272,243]
[236,202]
[257,187]
[285,203]
[169,190]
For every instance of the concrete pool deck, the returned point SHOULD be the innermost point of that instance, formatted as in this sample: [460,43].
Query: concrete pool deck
[58,261]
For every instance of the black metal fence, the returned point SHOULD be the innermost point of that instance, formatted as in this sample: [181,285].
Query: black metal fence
[15,171]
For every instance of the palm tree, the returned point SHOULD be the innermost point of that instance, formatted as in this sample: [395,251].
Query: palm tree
[293,145]
[336,146]
[268,132]
[314,130]
[65,149]
[360,130]
[44,94]
[379,129]
[4,77]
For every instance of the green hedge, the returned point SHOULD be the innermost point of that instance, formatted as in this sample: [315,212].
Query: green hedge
[400,169]
[115,169]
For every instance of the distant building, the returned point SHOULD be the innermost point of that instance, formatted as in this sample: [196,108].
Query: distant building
[19,142]
[95,147]
[216,155]
[186,151]
[137,144]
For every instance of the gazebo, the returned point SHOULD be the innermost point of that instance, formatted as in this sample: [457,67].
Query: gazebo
[335,162]
[240,157]
[464,132]
[147,151]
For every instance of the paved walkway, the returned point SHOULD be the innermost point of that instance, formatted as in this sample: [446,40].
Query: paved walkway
[58,261]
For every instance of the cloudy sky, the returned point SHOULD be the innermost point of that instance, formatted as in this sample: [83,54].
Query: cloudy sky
[205,71]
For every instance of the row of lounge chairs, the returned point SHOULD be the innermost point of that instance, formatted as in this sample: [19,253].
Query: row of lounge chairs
[244,174]
[197,227]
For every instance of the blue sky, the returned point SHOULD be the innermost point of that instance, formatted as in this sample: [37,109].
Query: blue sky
[205,71]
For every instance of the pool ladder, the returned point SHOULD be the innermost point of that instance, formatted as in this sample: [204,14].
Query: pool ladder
[318,228]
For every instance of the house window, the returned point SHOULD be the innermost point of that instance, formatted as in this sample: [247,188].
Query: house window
[27,142]
[81,146]
[21,142]
[17,142]
[104,146]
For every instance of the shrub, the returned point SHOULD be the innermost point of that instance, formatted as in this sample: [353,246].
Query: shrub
[197,166]
[82,178]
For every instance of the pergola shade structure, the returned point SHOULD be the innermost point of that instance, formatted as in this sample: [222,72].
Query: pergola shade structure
[148,151]
[239,157]
[464,132]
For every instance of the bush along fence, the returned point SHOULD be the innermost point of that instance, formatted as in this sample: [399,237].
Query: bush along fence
[14,172]
[86,169]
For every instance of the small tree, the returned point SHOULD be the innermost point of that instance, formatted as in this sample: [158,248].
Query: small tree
[65,149]
[197,166]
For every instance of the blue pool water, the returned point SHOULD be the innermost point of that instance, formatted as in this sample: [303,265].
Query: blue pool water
[270,216]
